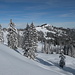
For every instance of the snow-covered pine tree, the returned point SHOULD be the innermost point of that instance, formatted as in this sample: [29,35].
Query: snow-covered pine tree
[12,35]
[26,38]
[62,60]
[20,37]
[29,41]
[33,36]
[45,47]
[1,35]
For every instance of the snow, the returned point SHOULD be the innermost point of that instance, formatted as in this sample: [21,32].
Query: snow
[44,30]
[51,62]
[20,33]
[40,45]
[49,38]
[5,37]
[13,63]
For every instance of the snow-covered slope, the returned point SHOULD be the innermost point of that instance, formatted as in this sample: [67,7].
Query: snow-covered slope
[13,63]
[50,29]
[44,30]
[51,62]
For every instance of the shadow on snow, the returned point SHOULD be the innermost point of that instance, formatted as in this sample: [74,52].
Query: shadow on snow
[68,69]
[43,62]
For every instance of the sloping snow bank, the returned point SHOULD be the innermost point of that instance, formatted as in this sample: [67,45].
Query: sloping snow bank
[13,63]
[51,62]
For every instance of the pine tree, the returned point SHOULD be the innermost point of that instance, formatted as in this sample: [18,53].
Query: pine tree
[33,34]
[1,35]
[29,41]
[26,38]
[62,60]
[12,36]
[20,37]
[46,47]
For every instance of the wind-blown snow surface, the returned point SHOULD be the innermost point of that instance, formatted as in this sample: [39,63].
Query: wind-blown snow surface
[13,63]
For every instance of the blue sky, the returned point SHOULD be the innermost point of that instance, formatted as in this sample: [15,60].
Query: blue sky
[59,13]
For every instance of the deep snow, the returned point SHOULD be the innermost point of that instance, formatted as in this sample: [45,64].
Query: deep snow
[13,63]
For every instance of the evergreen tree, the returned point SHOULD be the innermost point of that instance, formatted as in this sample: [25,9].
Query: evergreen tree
[1,34]
[62,60]
[30,41]
[20,37]
[12,36]
[26,38]
[45,46]
[33,35]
